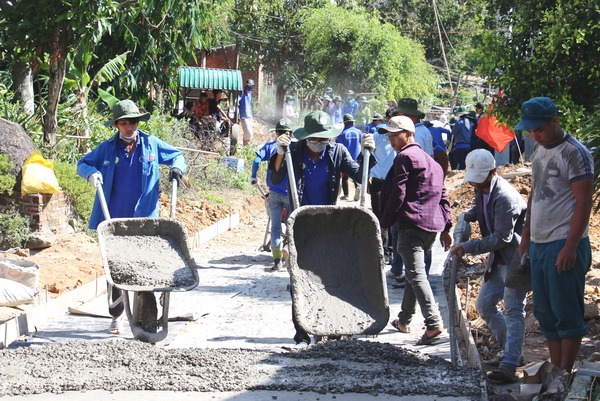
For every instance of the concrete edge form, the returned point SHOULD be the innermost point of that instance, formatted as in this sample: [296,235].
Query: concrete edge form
[27,322]
[218,228]
[471,348]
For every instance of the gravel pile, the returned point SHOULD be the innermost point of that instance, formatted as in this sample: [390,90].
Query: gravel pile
[148,261]
[332,367]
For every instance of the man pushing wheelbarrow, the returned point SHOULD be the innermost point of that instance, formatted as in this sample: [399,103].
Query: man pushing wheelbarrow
[322,250]
[126,167]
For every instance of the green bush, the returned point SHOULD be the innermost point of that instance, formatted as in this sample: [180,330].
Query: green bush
[77,189]
[7,180]
[14,228]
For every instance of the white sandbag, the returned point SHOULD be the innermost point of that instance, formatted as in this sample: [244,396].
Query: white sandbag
[21,271]
[13,293]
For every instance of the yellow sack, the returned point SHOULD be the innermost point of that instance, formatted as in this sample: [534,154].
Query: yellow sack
[38,176]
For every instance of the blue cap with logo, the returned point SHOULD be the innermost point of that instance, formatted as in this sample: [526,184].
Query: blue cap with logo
[534,112]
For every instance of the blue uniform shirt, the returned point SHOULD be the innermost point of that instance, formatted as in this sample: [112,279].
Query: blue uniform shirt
[350,137]
[127,184]
[264,155]
[350,107]
[104,159]
[438,141]
[316,181]
[245,104]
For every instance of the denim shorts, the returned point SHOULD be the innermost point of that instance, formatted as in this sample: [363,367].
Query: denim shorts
[558,298]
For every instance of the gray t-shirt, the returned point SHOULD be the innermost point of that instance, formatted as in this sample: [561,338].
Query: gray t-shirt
[555,168]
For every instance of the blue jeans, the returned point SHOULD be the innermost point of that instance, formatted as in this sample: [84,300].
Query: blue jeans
[508,328]
[413,244]
[397,264]
[276,204]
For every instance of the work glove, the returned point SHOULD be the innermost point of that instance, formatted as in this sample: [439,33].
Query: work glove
[253,181]
[283,142]
[175,174]
[95,179]
[368,142]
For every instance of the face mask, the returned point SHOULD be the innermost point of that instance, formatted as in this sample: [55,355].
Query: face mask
[316,146]
[291,102]
[249,89]
[128,139]
[350,97]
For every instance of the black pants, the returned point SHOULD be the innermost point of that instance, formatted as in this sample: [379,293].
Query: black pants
[119,308]
[345,185]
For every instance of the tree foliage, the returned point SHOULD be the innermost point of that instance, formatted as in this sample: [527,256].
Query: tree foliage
[270,32]
[352,49]
[461,23]
[546,48]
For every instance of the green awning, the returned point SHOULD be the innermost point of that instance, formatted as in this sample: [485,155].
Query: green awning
[210,78]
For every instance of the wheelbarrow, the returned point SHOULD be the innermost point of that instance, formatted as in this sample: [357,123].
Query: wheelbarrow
[144,257]
[337,266]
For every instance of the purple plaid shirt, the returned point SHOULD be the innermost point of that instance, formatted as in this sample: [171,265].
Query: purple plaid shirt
[414,192]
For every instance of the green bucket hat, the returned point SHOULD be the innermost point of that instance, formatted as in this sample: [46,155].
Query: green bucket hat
[409,107]
[126,109]
[348,118]
[363,99]
[460,110]
[317,124]
[283,125]
[327,98]
[377,116]
[336,98]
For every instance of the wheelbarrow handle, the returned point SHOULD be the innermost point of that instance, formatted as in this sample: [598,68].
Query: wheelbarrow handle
[103,205]
[173,198]
[261,190]
[365,176]
[292,178]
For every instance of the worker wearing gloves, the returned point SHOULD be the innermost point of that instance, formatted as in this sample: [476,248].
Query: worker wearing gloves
[318,163]
[278,194]
[126,167]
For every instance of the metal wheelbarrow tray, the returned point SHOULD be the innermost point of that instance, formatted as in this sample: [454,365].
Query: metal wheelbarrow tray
[147,254]
[336,266]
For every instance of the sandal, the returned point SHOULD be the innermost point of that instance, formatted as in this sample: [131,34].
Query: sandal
[425,340]
[399,326]
[115,327]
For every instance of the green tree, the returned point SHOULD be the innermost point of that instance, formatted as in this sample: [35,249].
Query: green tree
[160,35]
[355,50]
[546,48]
[45,32]
[460,22]
[270,32]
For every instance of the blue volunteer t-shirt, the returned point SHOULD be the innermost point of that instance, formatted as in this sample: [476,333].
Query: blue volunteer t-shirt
[265,154]
[127,182]
[316,180]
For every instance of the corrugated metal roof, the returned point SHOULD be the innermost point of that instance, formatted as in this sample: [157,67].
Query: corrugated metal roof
[210,78]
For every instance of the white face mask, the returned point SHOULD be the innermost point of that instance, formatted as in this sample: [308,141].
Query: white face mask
[128,139]
[316,146]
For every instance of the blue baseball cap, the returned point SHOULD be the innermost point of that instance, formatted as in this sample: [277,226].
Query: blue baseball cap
[534,112]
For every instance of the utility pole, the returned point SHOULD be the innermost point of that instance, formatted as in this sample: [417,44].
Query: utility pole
[437,20]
